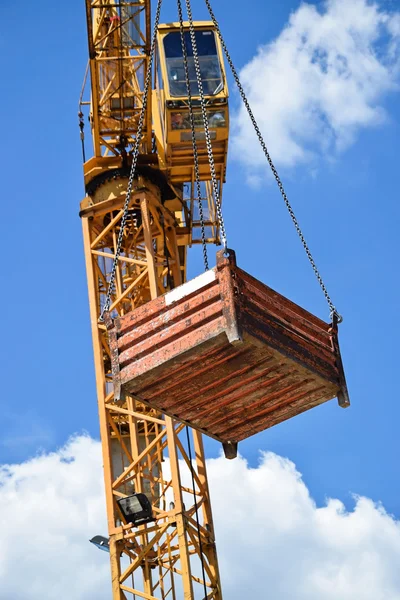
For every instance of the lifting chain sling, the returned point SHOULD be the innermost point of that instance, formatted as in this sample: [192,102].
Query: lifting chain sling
[135,155]
[333,312]
[207,136]
[193,132]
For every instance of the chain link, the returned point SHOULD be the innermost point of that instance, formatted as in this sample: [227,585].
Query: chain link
[194,142]
[135,155]
[206,127]
[333,311]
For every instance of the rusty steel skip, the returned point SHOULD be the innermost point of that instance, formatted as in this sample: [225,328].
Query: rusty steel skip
[227,355]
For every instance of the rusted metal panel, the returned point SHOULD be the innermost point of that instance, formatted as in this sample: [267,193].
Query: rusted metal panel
[226,354]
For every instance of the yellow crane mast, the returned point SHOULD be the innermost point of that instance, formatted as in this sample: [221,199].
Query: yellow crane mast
[222,353]
[174,555]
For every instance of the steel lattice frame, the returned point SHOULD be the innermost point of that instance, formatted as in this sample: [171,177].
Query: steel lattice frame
[163,556]
[142,450]
[117,65]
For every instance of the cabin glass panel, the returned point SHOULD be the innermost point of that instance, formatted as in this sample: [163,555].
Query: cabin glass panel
[181,119]
[210,68]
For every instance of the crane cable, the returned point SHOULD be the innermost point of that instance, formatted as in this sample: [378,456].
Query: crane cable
[193,129]
[135,155]
[335,316]
[214,182]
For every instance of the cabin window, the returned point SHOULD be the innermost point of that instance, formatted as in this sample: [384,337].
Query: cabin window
[210,68]
[181,119]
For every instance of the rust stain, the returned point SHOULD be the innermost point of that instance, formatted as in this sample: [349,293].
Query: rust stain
[231,357]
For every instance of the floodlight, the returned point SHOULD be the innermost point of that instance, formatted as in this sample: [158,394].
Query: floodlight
[136,509]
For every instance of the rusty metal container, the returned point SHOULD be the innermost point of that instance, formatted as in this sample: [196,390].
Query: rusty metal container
[226,354]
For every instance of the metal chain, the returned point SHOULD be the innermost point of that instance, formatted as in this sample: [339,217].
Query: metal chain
[194,142]
[135,155]
[206,127]
[333,311]
[82,134]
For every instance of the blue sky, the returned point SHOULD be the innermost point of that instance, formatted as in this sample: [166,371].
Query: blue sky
[346,201]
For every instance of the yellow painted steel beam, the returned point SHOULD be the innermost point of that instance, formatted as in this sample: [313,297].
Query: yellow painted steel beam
[136,439]
[161,559]
[118,59]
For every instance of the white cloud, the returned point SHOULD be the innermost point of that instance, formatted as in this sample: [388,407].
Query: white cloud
[319,82]
[273,541]
[50,506]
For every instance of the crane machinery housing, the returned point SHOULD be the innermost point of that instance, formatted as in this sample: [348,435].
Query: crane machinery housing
[221,354]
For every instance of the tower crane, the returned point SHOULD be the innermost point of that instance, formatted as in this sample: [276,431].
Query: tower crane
[159,122]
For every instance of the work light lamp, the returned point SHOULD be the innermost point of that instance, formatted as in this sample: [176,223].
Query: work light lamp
[136,509]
